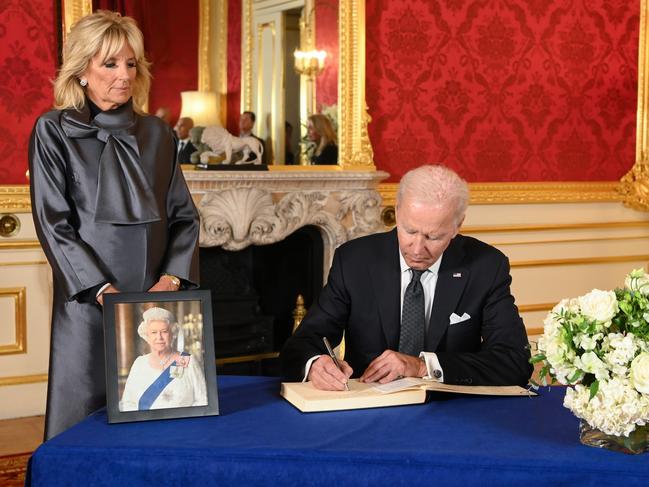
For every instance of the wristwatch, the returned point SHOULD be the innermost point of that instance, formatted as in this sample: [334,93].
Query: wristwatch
[173,279]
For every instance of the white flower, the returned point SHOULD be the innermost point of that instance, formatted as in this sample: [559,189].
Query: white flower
[637,280]
[571,305]
[599,305]
[590,363]
[620,349]
[640,373]
[578,349]
[587,342]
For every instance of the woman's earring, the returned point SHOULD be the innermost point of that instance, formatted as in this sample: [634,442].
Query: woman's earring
[83,82]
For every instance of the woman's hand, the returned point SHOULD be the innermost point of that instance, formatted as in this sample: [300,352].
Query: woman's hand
[165,283]
[109,289]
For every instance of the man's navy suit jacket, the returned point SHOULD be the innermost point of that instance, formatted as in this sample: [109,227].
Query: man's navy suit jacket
[362,298]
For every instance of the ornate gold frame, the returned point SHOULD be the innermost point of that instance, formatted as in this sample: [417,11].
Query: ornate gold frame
[20,315]
[73,10]
[354,147]
[634,186]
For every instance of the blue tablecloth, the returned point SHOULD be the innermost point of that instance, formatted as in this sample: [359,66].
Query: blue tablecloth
[260,439]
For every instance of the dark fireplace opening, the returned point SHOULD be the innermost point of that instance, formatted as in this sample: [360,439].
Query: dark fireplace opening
[254,292]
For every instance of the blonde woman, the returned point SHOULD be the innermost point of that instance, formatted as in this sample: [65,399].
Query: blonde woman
[320,131]
[111,208]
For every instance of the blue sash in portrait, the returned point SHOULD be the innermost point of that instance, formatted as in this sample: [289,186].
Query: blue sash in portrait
[153,391]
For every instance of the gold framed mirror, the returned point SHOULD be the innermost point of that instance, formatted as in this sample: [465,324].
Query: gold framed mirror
[634,186]
[354,147]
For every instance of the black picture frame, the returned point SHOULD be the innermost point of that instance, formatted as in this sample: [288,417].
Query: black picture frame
[124,346]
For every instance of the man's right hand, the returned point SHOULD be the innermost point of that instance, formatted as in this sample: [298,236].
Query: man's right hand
[325,375]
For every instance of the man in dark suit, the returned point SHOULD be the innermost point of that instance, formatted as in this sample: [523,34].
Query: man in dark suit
[465,329]
[246,124]
[185,146]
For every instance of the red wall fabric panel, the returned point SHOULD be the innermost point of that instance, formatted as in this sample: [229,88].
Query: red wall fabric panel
[326,33]
[503,90]
[171,41]
[28,60]
[234,66]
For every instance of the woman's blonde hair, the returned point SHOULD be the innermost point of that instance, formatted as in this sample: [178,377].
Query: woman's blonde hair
[323,126]
[103,33]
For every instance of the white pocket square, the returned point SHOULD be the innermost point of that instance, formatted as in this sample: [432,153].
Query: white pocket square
[455,319]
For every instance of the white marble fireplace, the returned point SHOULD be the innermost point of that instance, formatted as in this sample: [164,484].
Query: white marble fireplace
[242,208]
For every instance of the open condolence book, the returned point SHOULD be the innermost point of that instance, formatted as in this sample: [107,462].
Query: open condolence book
[400,392]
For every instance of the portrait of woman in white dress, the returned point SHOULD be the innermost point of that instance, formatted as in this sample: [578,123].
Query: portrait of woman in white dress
[164,377]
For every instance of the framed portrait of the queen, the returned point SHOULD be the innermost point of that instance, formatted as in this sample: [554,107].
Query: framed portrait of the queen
[159,356]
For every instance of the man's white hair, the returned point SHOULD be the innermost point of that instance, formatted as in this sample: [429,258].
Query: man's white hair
[435,185]
[157,314]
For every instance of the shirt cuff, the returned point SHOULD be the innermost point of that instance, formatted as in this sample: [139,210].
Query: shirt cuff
[307,367]
[433,368]
[101,290]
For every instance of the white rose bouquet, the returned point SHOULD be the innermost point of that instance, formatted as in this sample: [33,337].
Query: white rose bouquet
[598,345]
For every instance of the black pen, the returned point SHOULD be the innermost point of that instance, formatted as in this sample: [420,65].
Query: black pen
[333,357]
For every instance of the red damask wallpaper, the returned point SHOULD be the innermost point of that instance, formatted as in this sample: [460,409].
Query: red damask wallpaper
[171,42]
[504,90]
[326,33]
[28,59]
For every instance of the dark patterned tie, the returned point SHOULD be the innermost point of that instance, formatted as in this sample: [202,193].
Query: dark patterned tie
[413,317]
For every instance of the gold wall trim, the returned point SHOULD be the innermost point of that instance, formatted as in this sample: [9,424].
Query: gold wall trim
[212,51]
[526,193]
[204,74]
[534,330]
[73,10]
[24,262]
[220,84]
[354,144]
[579,261]
[634,186]
[527,308]
[22,379]
[15,197]
[567,240]
[570,240]
[25,244]
[553,227]
[20,317]
[246,55]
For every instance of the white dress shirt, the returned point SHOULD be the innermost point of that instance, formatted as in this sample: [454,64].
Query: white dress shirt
[428,281]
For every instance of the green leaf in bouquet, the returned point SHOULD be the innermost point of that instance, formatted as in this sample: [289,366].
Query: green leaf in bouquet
[594,387]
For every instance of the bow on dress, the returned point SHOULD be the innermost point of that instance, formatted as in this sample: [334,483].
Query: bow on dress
[124,195]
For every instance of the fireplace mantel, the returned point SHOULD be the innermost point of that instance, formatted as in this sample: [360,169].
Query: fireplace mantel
[242,208]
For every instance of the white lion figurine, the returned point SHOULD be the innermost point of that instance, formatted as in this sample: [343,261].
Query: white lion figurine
[223,142]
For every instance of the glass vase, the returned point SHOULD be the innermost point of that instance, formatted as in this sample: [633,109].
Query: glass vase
[637,441]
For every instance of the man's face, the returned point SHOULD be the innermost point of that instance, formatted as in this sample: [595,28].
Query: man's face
[424,231]
[245,123]
[182,128]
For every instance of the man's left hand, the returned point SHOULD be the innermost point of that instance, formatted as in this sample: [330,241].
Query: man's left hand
[391,365]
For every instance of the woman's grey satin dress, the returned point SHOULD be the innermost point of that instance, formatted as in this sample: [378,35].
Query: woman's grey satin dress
[110,205]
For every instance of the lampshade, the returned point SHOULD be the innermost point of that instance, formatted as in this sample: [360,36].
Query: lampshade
[200,106]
